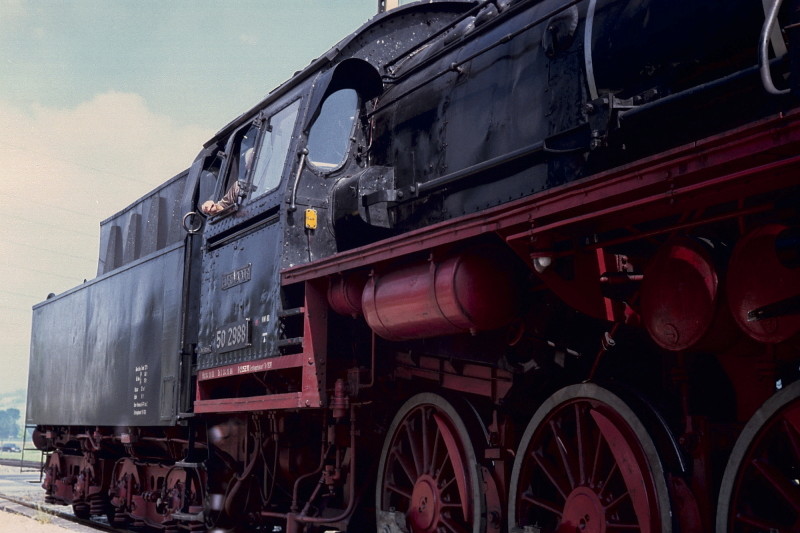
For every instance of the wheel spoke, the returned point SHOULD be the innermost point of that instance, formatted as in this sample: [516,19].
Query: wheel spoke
[538,502]
[402,460]
[790,493]
[452,526]
[425,441]
[622,527]
[412,445]
[454,454]
[446,484]
[625,458]
[450,505]
[445,459]
[442,453]
[394,488]
[607,483]
[596,463]
[562,451]
[759,523]
[622,497]
[579,442]
[794,439]
[549,475]
[435,452]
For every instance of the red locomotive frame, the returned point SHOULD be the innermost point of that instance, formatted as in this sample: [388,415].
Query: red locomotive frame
[747,163]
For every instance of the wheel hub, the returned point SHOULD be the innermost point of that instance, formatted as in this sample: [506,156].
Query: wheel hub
[424,511]
[584,512]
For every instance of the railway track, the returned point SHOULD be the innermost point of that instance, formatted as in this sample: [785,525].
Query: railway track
[15,497]
[60,518]
[26,465]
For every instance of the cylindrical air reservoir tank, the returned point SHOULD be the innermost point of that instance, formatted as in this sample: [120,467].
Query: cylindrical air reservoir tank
[475,290]
[764,283]
[681,297]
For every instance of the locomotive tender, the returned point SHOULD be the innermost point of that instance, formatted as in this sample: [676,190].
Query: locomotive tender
[511,266]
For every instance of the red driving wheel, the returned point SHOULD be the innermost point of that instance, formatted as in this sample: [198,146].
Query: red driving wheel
[586,463]
[760,490]
[428,479]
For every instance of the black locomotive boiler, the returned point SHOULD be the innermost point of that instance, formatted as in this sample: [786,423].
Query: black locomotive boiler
[514,266]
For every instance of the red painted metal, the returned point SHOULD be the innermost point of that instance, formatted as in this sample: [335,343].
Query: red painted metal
[475,379]
[57,481]
[628,463]
[315,344]
[124,485]
[757,277]
[468,292]
[583,289]
[251,367]
[689,518]
[582,466]
[340,403]
[310,364]
[77,481]
[154,494]
[759,489]
[455,453]
[426,474]
[210,380]
[736,175]
[680,294]
[344,293]
[294,520]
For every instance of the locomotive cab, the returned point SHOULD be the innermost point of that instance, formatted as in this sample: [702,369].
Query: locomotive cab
[242,241]
[272,175]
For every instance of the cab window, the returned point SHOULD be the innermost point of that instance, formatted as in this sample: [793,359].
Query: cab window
[329,137]
[209,176]
[274,149]
[241,157]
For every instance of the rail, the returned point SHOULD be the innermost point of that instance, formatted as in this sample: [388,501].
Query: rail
[36,510]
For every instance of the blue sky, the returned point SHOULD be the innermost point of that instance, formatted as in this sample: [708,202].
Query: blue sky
[100,101]
[196,61]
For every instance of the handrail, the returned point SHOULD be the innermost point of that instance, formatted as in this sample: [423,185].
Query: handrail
[293,200]
[763,43]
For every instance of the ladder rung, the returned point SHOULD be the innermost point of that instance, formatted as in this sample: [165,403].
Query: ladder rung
[286,313]
[295,341]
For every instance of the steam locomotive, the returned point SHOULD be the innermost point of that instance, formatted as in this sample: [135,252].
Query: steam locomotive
[515,266]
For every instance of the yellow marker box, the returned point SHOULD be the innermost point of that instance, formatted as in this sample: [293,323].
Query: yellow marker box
[311,219]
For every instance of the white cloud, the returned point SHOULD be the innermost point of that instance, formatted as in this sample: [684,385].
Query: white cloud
[106,152]
[248,39]
[12,10]
[62,171]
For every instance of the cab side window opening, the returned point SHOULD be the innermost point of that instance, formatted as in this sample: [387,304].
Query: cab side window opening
[241,160]
[274,150]
[329,137]
[208,178]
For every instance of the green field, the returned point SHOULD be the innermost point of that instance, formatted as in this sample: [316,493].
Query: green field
[29,455]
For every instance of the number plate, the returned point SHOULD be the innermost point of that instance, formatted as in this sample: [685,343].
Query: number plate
[232,337]
[237,277]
